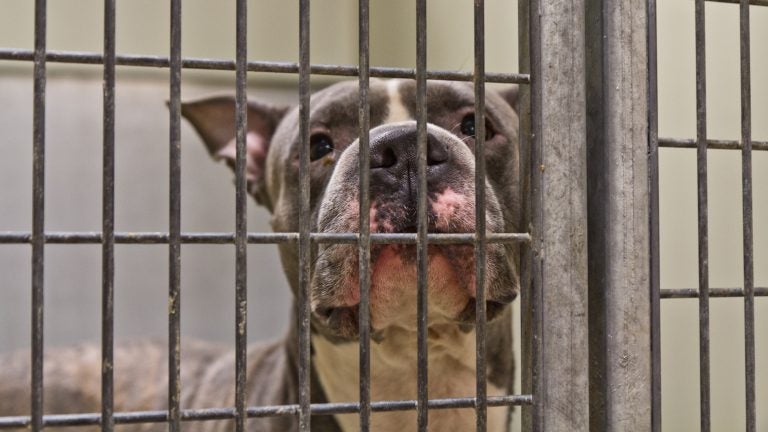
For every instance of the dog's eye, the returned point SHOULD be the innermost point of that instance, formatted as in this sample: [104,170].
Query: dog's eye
[319,145]
[468,127]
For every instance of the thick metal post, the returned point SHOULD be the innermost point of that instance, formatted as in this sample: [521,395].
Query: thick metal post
[559,210]
[619,263]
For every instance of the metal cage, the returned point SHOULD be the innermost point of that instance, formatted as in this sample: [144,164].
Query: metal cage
[590,261]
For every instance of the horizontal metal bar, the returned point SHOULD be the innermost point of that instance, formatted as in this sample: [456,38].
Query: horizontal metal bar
[751,2]
[79,57]
[261,411]
[713,292]
[711,144]
[94,237]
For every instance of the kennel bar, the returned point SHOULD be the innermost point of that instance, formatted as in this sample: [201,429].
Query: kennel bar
[703,224]
[174,222]
[746,182]
[87,237]
[481,393]
[618,190]
[76,57]
[108,223]
[558,218]
[241,222]
[38,216]
[364,242]
[210,414]
[654,237]
[422,391]
[304,220]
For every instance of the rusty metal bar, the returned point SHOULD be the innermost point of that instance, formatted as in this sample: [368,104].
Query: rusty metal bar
[91,237]
[364,245]
[751,2]
[654,235]
[682,293]
[481,408]
[174,223]
[711,144]
[77,57]
[703,225]
[527,323]
[421,209]
[108,223]
[746,186]
[38,215]
[241,221]
[304,220]
[208,414]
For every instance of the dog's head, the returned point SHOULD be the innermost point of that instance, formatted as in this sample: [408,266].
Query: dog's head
[273,180]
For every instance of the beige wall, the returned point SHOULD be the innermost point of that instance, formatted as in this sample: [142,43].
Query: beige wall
[74,169]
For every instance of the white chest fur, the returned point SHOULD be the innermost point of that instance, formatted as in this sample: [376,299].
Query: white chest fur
[393,377]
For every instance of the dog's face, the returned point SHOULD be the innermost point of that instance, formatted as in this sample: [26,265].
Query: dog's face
[273,179]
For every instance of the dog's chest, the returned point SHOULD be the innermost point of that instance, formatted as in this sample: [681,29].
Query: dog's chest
[394,377]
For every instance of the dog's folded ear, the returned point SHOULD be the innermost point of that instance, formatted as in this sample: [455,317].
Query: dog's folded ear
[511,94]
[214,120]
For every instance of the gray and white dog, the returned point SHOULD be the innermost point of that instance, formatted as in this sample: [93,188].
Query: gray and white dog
[72,376]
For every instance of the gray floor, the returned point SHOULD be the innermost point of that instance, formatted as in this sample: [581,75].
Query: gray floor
[73,203]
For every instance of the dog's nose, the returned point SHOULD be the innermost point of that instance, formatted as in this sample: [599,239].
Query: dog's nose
[394,150]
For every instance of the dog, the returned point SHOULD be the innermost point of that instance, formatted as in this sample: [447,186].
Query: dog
[272,165]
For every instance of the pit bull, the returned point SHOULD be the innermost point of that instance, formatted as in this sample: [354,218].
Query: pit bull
[272,165]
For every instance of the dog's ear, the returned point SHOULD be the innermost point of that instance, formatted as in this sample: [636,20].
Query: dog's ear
[511,94]
[214,120]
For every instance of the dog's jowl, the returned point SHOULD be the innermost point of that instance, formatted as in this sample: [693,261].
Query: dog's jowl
[272,172]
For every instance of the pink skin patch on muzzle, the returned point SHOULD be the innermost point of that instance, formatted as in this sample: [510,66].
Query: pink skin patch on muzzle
[454,212]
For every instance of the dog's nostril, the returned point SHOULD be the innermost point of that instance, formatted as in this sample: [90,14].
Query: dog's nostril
[436,152]
[388,158]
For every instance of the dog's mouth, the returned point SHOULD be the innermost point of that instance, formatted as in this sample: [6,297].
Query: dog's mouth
[394,288]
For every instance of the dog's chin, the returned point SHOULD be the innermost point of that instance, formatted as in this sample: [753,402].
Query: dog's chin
[393,293]
[343,323]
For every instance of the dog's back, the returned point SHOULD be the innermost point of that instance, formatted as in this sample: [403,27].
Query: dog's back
[72,379]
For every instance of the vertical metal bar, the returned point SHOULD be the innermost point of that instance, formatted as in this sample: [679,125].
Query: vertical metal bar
[746,187]
[618,206]
[174,224]
[559,200]
[703,225]
[38,215]
[304,220]
[526,259]
[654,234]
[421,243]
[241,227]
[108,223]
[364,246]
[481,401]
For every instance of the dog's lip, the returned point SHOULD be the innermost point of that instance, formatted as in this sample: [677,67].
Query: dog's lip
[346,319]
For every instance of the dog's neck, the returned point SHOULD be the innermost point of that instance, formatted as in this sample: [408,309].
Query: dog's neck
[451,369]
